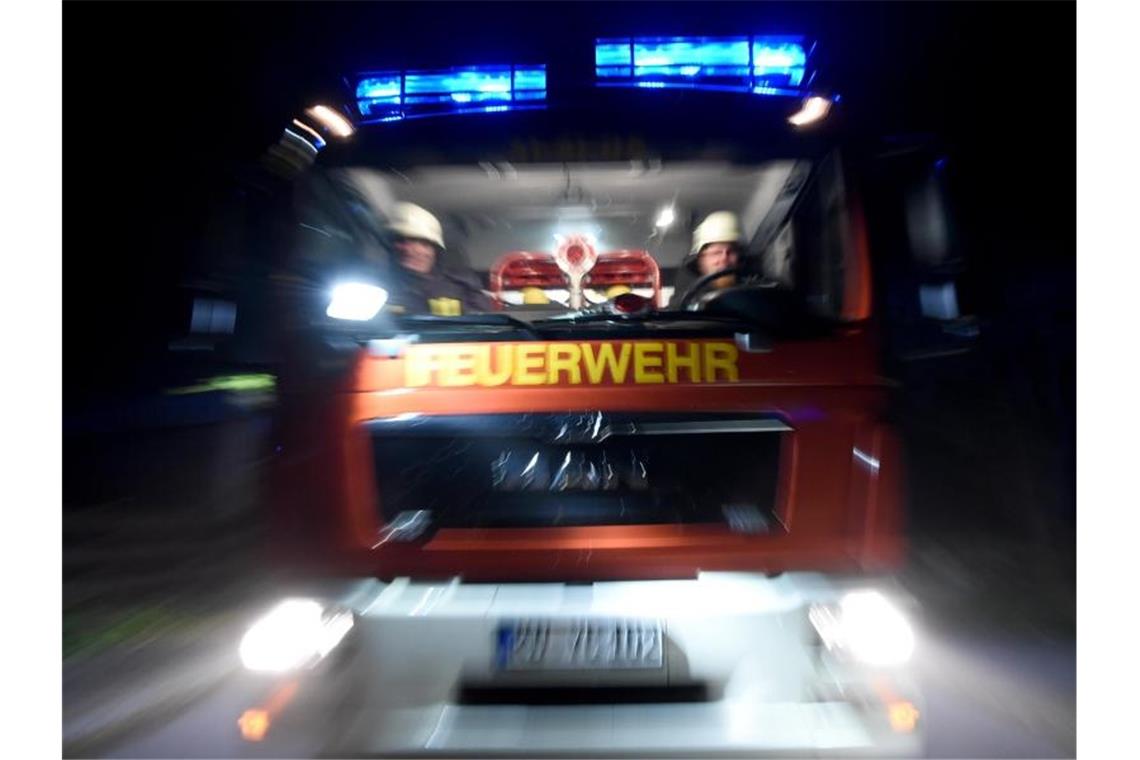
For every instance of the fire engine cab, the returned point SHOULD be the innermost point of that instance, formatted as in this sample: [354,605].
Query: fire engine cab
[651,520]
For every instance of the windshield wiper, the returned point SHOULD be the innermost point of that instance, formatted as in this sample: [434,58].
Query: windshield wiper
[652,316]
[497,319]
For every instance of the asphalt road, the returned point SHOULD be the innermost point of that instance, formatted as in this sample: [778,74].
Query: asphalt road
[996,696]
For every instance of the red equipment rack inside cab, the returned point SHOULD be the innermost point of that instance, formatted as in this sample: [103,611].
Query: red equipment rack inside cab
[525,269]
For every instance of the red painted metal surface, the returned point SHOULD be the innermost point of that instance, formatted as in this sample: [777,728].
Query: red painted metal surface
[839,485]
[838,492]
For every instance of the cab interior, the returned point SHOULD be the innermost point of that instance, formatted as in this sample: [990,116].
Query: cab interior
[791,213]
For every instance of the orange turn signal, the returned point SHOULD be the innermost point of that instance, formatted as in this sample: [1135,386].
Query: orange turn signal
[903,716]
[254,724]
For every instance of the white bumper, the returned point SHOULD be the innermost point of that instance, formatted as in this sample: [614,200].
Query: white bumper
[768,687]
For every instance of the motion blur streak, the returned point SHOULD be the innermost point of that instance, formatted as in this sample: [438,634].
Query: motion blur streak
[255,723]
[903,716]
[331,120]
[315,135]
[301,140]
[813,109]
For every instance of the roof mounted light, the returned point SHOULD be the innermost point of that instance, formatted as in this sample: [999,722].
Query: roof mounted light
[762,65]
[334,122]
[396,95]
[813,109]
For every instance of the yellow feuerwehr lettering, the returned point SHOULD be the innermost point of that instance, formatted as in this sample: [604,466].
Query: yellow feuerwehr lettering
[647,363]
[596,364]
[485,374]
[458,367]
[721,356]
[691,361]
[419,364]
[528,364]
[564,357]
[555,363]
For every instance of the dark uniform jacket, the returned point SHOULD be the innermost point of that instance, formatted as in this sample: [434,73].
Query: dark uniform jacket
[441,292]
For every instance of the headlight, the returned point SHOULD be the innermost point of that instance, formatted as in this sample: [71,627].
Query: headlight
[296,633]
[356,301]
[867,626]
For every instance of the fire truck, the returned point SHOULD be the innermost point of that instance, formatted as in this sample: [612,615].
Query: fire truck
[658,520]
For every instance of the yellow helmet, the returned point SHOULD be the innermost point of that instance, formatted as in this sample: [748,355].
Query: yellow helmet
[613,291]
[534,296]
[718,227]
[410,220]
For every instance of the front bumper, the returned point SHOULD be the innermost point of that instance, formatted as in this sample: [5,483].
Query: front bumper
[742,643]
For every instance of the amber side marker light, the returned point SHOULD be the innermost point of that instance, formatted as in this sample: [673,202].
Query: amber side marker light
[255,722]
[903,717]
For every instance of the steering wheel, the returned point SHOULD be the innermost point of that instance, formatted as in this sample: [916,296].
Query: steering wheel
[703,283]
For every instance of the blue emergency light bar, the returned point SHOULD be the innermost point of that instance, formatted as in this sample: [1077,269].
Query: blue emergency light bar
[764,65]
[397,95]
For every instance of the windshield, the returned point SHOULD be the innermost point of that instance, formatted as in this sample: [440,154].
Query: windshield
[545,240]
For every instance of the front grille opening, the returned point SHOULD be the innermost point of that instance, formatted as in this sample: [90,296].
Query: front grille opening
[583,695]
[503,474]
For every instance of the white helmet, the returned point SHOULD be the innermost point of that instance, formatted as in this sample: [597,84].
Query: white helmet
[410,220]
[718,227]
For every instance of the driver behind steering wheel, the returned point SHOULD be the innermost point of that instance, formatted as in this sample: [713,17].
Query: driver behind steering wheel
[717,244]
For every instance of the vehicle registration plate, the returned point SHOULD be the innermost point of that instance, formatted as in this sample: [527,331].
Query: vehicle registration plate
[579,644]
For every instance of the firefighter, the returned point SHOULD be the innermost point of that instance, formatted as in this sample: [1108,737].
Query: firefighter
[717,244]
[423,283]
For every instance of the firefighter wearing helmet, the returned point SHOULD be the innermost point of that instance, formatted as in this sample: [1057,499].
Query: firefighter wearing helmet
[717,244]
[424,283]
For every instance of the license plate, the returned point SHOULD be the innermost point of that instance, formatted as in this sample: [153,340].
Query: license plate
[590,644]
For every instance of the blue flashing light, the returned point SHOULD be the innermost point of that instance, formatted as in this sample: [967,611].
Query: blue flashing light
[610,72]
[783,55]
[457,110]
[390,96]
[763,65]
[497,79]
[789,92]
[701,51]
[691,71]
[530,79]
[679,86]
[612,53]
[382,86]
[458,97]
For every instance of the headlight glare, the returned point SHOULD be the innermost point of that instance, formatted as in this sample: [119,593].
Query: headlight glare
[356,301]
[868,627]
[296,633]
